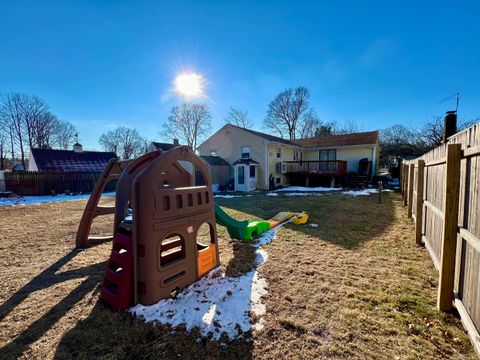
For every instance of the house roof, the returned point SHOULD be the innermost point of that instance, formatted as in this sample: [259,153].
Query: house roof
[265,136]
[364,138]
[214,160]
[245,162]
[164,146]
[69,160]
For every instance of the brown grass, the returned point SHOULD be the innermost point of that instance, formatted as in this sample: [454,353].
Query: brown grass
[355,287]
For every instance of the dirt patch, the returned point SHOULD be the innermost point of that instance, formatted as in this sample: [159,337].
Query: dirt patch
[356,286]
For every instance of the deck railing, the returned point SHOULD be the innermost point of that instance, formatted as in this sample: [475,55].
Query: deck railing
[327,168]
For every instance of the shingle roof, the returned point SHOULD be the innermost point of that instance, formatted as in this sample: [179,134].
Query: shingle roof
[164,146]
[265,136]
[245,162]
[214,160]
[69,160]
[364,138]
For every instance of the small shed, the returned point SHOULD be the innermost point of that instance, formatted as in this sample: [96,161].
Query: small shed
[220,171]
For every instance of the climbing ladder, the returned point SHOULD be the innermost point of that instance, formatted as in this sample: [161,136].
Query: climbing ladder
[117,287]
[111,173]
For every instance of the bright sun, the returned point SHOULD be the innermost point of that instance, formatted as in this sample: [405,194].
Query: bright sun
[189,84]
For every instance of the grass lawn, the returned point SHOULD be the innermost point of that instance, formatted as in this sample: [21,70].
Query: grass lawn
[356,286]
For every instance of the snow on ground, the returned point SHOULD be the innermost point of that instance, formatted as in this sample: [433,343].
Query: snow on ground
[309,189]
[217,303]
[364,192]
[29,200]
[302,194]
[227,196]
[271,194]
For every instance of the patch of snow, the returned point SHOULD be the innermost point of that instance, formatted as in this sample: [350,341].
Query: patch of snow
[271,194]
[227,196]
[30,200]
[309,189]
[363,192]
[217,303]
[302,194]
[313,225]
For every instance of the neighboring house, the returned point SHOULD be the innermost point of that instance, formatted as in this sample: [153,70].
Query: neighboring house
[75,160]
[163,146]
[262,161]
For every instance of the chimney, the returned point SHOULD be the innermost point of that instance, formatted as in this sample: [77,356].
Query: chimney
[77,147]
[175,142]
[450,125]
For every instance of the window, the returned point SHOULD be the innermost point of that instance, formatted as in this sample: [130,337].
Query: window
[245,152]
[297,155]
[279,153]
[278,180]
[278,167]
[241,175]
[252,171]
[328,155]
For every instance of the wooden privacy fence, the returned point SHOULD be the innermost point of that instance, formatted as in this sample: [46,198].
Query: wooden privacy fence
[441,192]
[42,183]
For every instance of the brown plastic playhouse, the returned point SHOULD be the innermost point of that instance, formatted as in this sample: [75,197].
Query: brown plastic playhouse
[163,201]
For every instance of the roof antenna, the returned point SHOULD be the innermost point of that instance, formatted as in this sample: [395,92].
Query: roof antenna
[76,138]
[458,100]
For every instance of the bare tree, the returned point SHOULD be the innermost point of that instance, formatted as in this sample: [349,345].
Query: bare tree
[3,146]
[348,127]
[432,132]
[63,136]
[123,141]
[309,124]
[144,146]
[398,142]
[28,123]
[11,113]
[285,111]
[239,118]
[189,123]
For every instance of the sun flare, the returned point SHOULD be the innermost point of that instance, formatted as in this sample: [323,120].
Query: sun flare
[189,84]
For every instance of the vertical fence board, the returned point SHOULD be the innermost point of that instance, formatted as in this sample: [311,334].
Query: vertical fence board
[410,189]
[450,228]
[419,202]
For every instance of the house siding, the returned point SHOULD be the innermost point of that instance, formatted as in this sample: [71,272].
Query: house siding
[227,143]
[350,154]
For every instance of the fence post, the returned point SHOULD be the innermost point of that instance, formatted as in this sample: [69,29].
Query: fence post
[419,207]
[410,189]
[450,228]
[400,178]
[405,180]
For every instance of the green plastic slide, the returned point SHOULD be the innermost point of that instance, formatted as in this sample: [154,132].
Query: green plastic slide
[241,230]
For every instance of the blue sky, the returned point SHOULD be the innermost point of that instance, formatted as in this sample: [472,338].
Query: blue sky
[100,64]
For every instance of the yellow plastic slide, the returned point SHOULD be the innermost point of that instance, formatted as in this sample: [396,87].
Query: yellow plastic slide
[281,217]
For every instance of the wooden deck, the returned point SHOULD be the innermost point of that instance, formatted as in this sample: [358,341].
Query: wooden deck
[317,168]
